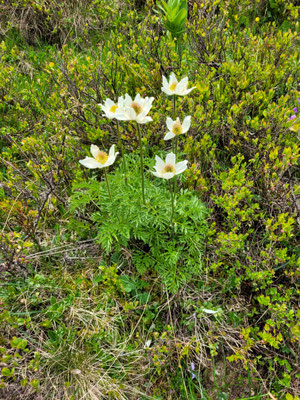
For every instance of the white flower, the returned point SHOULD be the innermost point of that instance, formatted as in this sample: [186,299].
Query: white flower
[176,128]
[174,87]
[137,109]
[111,109]
[168,169]
[100,159]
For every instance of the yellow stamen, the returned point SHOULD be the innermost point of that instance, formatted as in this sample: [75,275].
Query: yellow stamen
[137,107]
[113,108]
[177,128]
[169,168]
[101,157]
[173,86]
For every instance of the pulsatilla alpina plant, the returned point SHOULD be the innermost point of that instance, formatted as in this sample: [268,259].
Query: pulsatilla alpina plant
[162,229]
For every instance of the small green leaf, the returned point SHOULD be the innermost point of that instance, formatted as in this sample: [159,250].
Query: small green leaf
[35,383]
[7,372]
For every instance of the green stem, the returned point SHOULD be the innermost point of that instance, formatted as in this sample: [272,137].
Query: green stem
[106,180]
[142,161]
[175,146]
[180,50]
[174,141]
[120,144]
[174,107]
[172,201]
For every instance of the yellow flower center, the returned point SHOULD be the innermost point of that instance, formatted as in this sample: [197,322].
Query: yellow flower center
[101,157]
[113,108]
[169,168]
[177,128]
[137,107]
[173,86]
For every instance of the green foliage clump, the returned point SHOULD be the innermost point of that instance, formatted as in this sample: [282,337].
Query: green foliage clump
[174,14]
[171,246]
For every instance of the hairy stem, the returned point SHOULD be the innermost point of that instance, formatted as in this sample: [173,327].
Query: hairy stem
[120,144]
[174,141]
[174,107]
[172,201]
[142,160]
[107,184]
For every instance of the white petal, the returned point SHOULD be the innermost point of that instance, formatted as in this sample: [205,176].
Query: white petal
[143,120]
[165,82]
[151,99]
[188,91]
[186,124]
[94,150]
[109,103]
[145,111]
[90,162]
[167,91]
[138,98]
[103,107]
[122,116]
[169,136]
[168,175]
[156,174]
[184,81]
[180,89]
[112,151]
[170,159]
[109,115]
[111,160]
[159,164]
[127,114]
[180,171]
[127,100]
[181,163]
[148,104]
[169,123]
[121,101]
[172,78]
[180,167]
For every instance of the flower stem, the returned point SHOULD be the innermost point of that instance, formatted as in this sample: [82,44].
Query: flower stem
[174,141]
[142,160]
[106,180]
[174,107]
[120,144]
[172,201]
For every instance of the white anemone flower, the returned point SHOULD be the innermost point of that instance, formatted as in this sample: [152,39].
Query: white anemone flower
[168,169]
[137,109]
[111,109]
[176,128]
[100,159]
[174,87]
